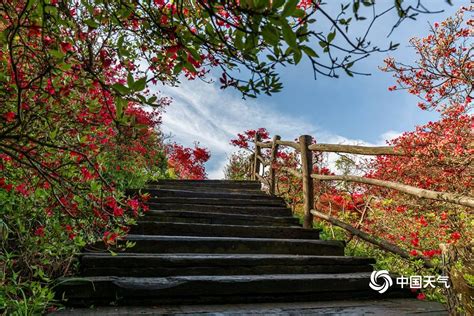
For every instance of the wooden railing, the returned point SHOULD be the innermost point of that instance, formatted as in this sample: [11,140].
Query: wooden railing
[305,147]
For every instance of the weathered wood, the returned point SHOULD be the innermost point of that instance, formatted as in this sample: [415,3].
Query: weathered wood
[289,144]
[265,144]
[273,156]
[256,164]
[421,193]
[261,179]
[363,235]
[353,149]
[262,160]
[307,169]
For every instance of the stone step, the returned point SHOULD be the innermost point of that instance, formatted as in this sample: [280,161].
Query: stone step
[254,185]
[346,307]
[278,211]
[105,290]
[205,189]
[232,245]
[158,265]
[205,194]
[230,201]
[167,216]
[219,230]
[204,182]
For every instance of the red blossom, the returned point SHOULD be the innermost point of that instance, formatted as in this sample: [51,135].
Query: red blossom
[9,116]
[39,231]
[66,47]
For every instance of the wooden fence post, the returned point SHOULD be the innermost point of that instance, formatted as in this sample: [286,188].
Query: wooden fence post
[257,153]
[272,161]
[307,169]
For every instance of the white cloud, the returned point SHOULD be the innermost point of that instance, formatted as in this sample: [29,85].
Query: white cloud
[388,135]
[201,112]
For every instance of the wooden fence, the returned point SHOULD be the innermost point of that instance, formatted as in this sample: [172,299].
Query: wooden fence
[305,147]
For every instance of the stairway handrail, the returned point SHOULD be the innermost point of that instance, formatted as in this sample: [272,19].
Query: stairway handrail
[305,147]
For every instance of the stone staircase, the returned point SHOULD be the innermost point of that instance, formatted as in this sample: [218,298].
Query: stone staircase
[219,242]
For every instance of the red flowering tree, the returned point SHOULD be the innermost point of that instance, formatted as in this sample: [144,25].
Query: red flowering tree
[438,156]
[188,163]
[443,73]
[73,129]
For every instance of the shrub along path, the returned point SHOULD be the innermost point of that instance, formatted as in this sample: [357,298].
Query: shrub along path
[223,242]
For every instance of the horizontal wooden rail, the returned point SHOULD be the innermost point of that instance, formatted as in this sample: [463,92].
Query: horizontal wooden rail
[264,144]
[269,144]
[421,193]
[358,150]
[294,145]
[363,235]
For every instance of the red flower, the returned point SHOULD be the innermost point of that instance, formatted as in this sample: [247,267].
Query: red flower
[421,296]
[415,242]
[86,174]
[39,231]
[66,47]
[9,116]
[401,209]
[456,236]
[414,253]
[133,204]
[21,188]
[118,212]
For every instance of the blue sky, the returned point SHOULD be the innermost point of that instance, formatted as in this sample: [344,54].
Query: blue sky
[345,110]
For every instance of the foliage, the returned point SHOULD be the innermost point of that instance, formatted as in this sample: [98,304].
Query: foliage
[75,76]
[437,156]
[238,166]
[187,163]
[443,74]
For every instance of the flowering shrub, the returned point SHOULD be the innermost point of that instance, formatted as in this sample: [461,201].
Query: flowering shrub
[444,70]
[437,156]
[73,136]
[188,163]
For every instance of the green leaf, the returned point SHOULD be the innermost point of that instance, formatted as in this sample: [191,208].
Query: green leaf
[309,51]
[278,3]
[91,23]
[289,36]
[56,53]
[299,13]
[119,105]
[152,100]
[270,34]
[289,8]
[297,56]
[238,40]
[331,36]
[120,88]
[261,4]
[130,80]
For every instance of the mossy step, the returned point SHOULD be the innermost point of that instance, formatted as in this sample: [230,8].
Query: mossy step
[179,216]
[232,245]
[156,265]
[144,227]
[104,290]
